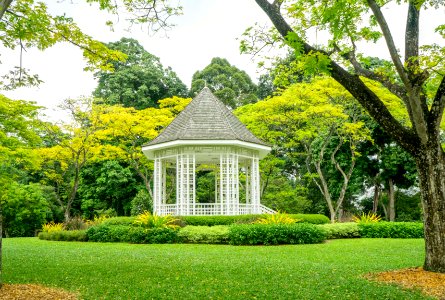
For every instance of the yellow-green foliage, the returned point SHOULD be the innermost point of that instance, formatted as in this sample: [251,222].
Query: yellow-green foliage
[52,227]
[279,218]
[96,220]
[149,220]
[367,218]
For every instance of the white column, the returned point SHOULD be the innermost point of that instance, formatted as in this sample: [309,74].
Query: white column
[157,186]
[255,184]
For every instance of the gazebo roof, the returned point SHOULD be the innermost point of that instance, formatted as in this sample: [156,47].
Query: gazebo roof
[206,118]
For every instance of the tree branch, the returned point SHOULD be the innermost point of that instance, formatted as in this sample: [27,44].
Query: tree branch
[4,5]
[389,41]
[373,105]
[436,112]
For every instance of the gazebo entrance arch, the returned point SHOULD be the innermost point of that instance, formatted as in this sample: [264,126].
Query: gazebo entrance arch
[207,133]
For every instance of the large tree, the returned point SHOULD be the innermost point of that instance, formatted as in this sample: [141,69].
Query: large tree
[139,81]
[420,70]
[230,84]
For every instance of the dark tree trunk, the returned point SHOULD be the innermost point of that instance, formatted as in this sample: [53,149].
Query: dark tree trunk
[431,168]
[391,201]
[375,202]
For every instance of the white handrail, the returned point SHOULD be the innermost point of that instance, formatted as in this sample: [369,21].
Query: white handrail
[211,209]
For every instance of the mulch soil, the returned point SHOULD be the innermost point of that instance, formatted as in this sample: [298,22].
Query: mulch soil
[34,292]
[429,283]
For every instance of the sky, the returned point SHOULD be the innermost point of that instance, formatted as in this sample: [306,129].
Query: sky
[207,29]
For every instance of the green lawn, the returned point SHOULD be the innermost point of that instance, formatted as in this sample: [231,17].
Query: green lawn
[122,271]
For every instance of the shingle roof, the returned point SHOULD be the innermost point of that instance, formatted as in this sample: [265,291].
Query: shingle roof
[205,118]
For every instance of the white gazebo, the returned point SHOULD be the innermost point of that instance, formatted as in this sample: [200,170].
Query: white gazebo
[208,135]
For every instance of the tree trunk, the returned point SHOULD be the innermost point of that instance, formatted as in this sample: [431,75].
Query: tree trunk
[391,201]
[431,168]
[375,202]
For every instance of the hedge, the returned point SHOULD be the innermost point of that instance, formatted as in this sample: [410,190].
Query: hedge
[245,219]
[399,230]
[275,234]
[218,234]
[341,230]
[64,235]
[119,221]
[132,234]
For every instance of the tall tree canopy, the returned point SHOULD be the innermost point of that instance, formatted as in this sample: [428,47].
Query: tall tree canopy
[421,86]
[139,81]
[231,85]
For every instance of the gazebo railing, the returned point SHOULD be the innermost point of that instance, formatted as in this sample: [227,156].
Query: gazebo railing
[211,209]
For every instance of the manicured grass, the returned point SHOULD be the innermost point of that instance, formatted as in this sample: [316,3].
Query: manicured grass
[332,270]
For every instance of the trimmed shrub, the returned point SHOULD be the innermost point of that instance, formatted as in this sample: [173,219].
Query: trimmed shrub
[275,234]
[119,221]
[218,234]
[399,230]
[64,235]
[247,219]
[311,218]
[131,234]
[340,230]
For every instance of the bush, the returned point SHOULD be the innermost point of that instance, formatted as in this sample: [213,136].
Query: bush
[64,235]
[341,230]
[149,220]
[52,227]
[218,234]
[119,221]
[24,209]
[400,230]
[370,217]
[275,234]
[141,202]
[130,234]
[76,223]
[278,218]
[247,219]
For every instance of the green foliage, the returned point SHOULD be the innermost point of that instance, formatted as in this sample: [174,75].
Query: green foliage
[217,234]
[396,230]
[131,234]
[246,219]
[278,218]
[341,230]
[370,217]
[76,223]
[52,227]
[140,81]
[64,235]
[24,209]
[141,202]
[119,221]
[149,220]
[231,85]
[275,234]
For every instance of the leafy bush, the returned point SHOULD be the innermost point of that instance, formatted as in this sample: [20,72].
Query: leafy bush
[311,218]
[64,235]
[76,223]
[141,203]
[278,218]
[218,234]
[341,230]
[24,209]
[52,227]
[130,234]
[401,230]
[119,221]
[370,217]
[149,220]
[275,234]
[97,220]
[246,219]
